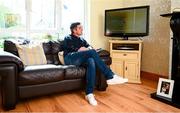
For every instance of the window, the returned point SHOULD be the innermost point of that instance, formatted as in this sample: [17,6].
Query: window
[45,16]
[73,9]
[12,19]
[12,14]
[39,19]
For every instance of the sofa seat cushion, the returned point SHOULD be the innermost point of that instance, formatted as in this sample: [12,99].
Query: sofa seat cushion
[74,72]
[39,74]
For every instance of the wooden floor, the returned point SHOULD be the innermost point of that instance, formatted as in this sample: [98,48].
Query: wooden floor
[117,98]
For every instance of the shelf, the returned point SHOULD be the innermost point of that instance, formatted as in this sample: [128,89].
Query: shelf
[169,14]
[165,100]
[127,51]
[134,41]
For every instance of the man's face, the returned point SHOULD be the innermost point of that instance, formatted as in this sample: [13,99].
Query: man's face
[78,30]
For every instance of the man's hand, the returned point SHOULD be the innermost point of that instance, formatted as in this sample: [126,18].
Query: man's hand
[99,49]
[83,49]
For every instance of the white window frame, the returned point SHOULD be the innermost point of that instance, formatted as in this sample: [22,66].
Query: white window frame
[57,28]
[87,20]
[28,21]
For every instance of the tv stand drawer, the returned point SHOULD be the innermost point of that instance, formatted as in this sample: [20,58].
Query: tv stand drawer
[125,55]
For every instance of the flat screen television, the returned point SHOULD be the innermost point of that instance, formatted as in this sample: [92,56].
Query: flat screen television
[127,22]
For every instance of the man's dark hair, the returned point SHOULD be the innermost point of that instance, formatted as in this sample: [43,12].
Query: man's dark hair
[74,25]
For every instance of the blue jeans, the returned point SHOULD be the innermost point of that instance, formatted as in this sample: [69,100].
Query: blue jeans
[91,59]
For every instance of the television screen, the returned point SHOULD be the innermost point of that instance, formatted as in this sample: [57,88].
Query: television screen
[127,22]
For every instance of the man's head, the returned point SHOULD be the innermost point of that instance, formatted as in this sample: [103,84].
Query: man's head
[76,29]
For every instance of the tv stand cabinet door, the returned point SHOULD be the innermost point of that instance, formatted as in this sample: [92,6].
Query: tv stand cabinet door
[118,67]
[131,71]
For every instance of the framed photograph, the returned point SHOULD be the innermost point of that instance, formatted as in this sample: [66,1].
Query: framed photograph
[165,88]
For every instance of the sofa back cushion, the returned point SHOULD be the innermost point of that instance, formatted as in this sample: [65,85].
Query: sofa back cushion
[47,51]
[31,54]
[10,46]
[51,50]
[61,57]
[56,48]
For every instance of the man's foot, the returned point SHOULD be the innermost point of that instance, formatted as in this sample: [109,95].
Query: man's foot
[117,80]
[91,99]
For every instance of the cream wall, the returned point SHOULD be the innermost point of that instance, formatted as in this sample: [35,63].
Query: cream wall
[155,53]
[97,38]
[175,4]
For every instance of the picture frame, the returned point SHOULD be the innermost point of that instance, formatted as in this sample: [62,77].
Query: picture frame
[165,88]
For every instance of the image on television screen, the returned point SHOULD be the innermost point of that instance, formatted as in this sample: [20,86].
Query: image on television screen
[127,22]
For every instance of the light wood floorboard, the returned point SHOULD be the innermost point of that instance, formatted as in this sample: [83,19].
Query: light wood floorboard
[117,98]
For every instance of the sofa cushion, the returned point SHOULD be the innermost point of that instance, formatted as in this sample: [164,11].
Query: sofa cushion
[31,54]
[56,48]
[61,57]
[51,49]
[47,50]
[9,46]
[74,72]
[40,74]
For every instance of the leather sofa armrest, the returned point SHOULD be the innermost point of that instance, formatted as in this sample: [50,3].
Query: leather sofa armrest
[8,74]
[101,83]
[105,56]
[6,57]
[103,53]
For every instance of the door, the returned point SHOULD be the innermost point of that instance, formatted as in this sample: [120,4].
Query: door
[131,71]
[117,67]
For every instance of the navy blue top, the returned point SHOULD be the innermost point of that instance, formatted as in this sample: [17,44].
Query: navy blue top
[73,43]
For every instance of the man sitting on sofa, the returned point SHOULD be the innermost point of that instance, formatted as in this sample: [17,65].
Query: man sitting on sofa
[78,52]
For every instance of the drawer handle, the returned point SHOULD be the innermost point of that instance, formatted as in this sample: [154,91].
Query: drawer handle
[124,54]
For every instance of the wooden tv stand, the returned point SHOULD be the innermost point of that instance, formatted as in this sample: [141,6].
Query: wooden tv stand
[126,58]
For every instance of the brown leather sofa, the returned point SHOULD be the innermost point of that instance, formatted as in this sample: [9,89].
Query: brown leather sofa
[19,82]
